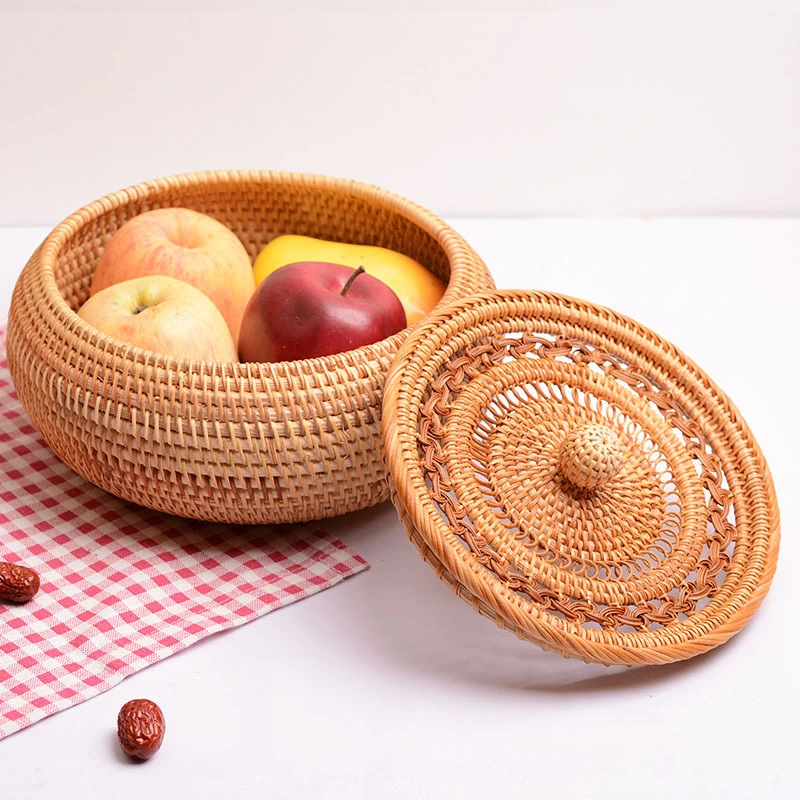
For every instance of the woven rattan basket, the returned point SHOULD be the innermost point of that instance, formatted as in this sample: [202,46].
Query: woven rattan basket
[239,443]
[578,480]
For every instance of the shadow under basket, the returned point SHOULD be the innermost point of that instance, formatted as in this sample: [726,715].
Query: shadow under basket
[225,442]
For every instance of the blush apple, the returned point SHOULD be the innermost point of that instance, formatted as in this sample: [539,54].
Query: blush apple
[316,308]
[164,315]
[187,245]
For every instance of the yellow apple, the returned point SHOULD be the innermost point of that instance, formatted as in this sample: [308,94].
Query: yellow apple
[164,315]
[186,245]
[418,288]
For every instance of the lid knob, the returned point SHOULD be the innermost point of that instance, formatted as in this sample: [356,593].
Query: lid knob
[590,455]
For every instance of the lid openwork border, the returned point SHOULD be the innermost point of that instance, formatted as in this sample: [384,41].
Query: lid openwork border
[578,479]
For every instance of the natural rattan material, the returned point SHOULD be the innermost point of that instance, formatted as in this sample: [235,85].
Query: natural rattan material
[578,480]
[229,442]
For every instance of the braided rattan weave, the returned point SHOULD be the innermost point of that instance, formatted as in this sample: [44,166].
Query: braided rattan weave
[578,480]
[240,443]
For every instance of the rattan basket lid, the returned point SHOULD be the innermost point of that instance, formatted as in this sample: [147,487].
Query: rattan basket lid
[578,480]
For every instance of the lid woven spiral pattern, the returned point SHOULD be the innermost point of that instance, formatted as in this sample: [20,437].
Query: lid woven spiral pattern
[579,480]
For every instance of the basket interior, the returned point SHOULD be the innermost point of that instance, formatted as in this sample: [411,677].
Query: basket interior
[257,210]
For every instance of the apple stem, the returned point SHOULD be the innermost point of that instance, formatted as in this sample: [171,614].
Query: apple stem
[351,279]
[139,309]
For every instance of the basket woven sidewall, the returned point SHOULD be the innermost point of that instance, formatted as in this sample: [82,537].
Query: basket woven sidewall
[224,442]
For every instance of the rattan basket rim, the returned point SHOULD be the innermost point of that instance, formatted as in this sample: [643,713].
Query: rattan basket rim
[63,318]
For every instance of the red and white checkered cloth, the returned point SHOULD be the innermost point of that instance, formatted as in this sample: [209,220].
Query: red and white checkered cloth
[121,586]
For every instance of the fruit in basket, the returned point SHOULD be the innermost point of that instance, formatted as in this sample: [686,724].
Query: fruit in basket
[311,309]
[187,245]
[164,315]
[417,287]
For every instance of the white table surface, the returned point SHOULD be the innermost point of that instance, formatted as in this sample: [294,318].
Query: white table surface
[388,686]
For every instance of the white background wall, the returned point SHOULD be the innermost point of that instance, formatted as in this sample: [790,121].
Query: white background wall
[566,108]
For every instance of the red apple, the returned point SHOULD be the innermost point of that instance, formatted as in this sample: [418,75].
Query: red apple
[164,315]
[315,308]
[183,244]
